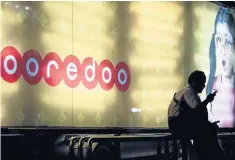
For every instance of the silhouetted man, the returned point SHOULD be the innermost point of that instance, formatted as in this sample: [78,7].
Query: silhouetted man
[188,117]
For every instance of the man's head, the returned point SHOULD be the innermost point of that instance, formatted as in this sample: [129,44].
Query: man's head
[197,80]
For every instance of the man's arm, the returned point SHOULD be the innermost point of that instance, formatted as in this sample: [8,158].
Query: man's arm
[204,103]
[208,99]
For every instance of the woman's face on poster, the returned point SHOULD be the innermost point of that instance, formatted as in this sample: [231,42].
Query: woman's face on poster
[224,42]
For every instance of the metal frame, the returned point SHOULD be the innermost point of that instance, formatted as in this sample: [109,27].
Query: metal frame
[116,140]
[88,130]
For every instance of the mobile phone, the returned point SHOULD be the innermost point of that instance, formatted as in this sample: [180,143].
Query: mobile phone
[216,122]
[215,91]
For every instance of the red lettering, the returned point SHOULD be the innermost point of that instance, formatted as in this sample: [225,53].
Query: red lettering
[106,75]
[123,77]
[71,71]
[10,64]
[89,73]
[52,66]
[32,67]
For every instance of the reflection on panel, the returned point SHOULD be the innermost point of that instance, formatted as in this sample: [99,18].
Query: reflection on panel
[155,57]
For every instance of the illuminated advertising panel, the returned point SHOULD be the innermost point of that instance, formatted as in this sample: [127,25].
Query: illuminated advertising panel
[111,63]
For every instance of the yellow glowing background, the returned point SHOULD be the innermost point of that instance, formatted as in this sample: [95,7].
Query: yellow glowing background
[162,42]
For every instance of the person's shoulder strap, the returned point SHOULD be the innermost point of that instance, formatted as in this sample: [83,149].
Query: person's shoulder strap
[174,99]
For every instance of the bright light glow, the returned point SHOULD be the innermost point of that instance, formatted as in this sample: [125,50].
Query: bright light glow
[136,110]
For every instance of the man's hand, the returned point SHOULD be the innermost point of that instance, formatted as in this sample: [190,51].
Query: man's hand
[211,96]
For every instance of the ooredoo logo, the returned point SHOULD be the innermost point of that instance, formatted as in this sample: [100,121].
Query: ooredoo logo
[52,69]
